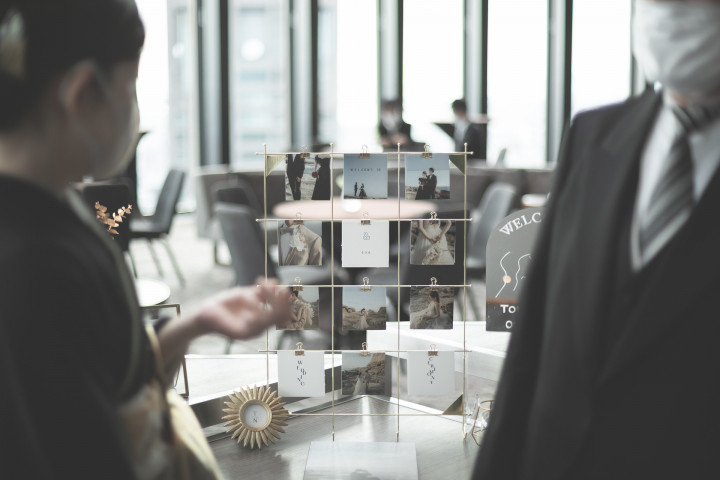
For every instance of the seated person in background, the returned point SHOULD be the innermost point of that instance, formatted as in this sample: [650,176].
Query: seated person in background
[392,128]
[464,131]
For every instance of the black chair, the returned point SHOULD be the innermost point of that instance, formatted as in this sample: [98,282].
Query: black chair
[497,202]
[113,196]
[157,226]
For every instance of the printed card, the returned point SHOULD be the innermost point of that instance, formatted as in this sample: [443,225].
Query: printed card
[365,178]
[365,245]
[301,375]
[430,374]
[364,309]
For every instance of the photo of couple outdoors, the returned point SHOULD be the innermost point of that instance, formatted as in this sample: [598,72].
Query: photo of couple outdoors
[304,309]
[365,176]
[427,178]
[307,179]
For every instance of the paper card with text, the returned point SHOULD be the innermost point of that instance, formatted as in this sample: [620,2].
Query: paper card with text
[301,375]
[365,245]
[365,177]
[430,374]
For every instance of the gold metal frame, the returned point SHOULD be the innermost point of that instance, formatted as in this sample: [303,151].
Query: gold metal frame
[459,160]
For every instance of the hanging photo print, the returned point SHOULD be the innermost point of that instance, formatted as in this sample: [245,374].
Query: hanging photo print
[301,375]
[365,244]
[307,178]
[300,243]
[432,242]
[365,178]
[427,178]
[429,374]
[363,309]
[304,309]
[363,374]
[431,307]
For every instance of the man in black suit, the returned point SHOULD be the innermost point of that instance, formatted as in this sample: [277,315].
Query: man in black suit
[295,171]
[613,369]
[464,131]
[431,184]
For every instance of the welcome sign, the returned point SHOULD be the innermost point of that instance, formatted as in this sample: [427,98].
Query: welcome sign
[509,255]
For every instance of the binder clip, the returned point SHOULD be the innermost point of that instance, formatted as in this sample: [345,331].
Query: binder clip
[299,352]
[298,286]
[427,153]
[305,153]
[433,281]
[364,153]
[364,352]
[432,352]
[366,219]
[433,218]
[366,285]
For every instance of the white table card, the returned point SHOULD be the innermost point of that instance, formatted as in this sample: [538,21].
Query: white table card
[365,245]
[430,374]
[301,375]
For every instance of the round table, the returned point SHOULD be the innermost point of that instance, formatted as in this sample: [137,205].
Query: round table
[352,209]
[151,292]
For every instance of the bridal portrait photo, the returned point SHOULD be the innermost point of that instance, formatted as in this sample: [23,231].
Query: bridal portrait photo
[300,243]
[432,242]
[431,307]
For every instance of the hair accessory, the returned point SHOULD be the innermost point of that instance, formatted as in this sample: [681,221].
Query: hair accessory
[12,44]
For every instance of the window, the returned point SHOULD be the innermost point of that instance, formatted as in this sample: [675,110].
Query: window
[347,73]
[259,80]
[600,69]
[432,67]
[517,81]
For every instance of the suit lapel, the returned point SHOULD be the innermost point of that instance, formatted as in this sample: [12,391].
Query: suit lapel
[684,272]
[609,188]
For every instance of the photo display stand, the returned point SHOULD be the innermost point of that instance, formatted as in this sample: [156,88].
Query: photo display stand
[458,160]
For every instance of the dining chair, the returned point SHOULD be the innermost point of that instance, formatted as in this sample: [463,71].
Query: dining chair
[157,226]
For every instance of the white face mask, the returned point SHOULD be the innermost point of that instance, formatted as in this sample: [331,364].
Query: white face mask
[677,43]
[107,160]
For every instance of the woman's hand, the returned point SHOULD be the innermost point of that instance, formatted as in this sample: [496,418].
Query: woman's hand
[240,313]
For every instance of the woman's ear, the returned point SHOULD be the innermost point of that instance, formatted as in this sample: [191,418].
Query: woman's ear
[76,90]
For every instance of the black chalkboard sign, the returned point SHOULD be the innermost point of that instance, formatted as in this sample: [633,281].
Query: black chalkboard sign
[509,254]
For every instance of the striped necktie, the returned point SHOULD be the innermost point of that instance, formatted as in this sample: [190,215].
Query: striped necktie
[672,199]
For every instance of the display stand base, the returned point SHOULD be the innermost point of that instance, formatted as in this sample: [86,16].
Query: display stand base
[381,460]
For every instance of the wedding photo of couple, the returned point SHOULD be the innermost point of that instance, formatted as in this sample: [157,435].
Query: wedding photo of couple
[306,179]
[304,309]
[432,242]
[365,176]
[300,243]
[431,307]
[427,178]
[363,374]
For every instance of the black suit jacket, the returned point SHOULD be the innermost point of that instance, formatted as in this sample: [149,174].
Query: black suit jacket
[602,381]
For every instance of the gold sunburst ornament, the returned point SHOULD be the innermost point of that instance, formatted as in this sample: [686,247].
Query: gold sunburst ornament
[255,416]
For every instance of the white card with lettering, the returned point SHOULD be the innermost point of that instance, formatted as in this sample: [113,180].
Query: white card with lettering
[365,245]
[430,374]
[301,375]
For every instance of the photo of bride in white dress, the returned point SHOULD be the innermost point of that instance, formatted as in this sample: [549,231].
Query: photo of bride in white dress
[363,309]
[364,374]
[431,307]
[432,242]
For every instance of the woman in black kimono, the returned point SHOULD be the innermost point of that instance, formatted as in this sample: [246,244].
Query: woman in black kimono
[73,350]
